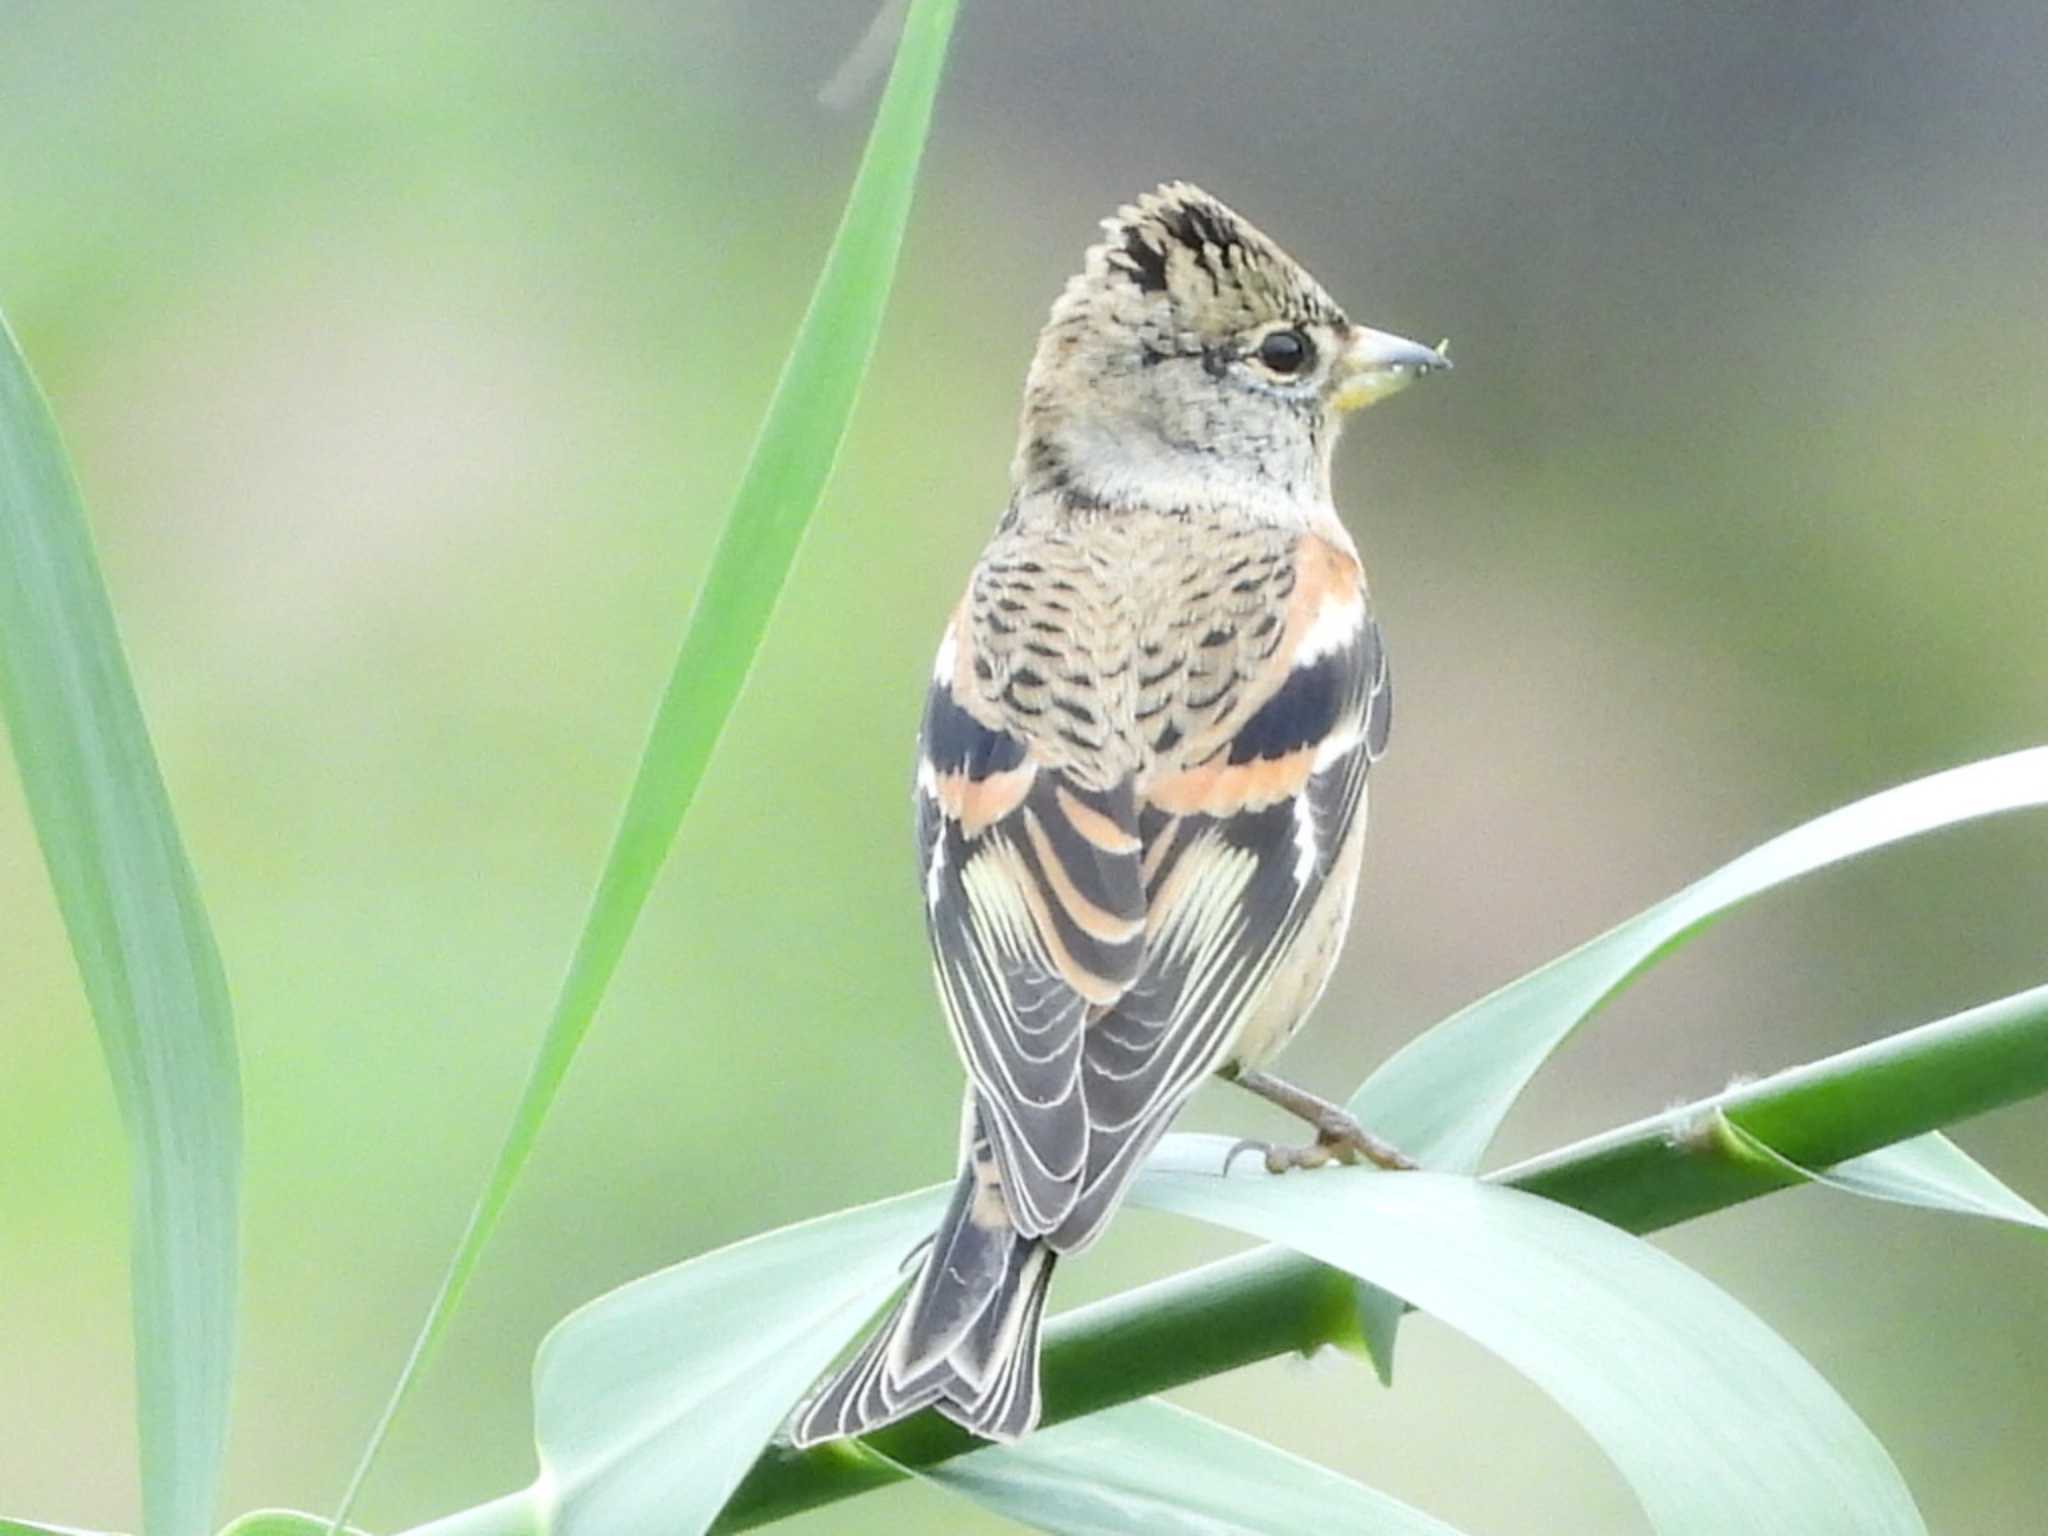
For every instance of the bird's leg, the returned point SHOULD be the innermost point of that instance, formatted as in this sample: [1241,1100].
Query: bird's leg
[1339,1136]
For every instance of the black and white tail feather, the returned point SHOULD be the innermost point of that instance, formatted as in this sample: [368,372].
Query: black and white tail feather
[964,1337]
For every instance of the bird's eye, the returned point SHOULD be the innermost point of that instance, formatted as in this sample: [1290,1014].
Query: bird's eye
[1286,352]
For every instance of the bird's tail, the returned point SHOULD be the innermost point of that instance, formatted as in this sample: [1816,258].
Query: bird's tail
[963,1338]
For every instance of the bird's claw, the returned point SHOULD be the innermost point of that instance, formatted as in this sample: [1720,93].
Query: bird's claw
[1263,1148]
[1339,1139]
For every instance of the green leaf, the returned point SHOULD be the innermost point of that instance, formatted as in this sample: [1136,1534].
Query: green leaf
[281,1522]
[31,1528]
[1377,1316]
[516,1514]
[1150,1469]
[1713,1419]
[652,1402]
[1641,1177]
[144,950]
[784,479]
[1443,1096]
[1929,1171]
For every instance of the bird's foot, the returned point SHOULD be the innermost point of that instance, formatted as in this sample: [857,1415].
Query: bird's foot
[1339,1139]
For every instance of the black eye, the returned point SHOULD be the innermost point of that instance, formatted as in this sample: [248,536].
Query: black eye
[1286,352]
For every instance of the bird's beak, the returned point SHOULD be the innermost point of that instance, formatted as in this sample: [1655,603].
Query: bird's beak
[1374,365]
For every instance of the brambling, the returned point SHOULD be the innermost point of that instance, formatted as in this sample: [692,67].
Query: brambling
[1141,776]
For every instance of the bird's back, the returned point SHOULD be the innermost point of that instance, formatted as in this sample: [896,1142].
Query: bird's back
[1127,643]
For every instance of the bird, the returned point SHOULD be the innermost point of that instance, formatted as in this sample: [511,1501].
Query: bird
[1141,775]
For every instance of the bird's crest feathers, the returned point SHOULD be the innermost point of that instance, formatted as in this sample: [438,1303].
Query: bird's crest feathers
[1217,272]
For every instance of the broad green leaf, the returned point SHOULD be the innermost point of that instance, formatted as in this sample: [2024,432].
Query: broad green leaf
[1715,1422]
[652,1402]
[1655,1173]
[144,951]
[1929,1171]
[1443,1096]
[784,478]
[31,1528]
[1150,1469]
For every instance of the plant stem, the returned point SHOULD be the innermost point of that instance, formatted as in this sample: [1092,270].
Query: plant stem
[1642,1177]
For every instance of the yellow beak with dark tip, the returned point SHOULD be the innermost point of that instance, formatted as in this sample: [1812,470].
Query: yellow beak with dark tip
[1375,364]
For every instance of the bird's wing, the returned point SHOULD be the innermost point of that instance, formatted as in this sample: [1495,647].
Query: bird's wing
[1238,842]
[1034,895]
[1098,949]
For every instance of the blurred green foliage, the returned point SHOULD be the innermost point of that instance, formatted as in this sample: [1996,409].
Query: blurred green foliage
[408,357]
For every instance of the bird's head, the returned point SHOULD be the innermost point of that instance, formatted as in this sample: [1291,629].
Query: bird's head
[1192,356]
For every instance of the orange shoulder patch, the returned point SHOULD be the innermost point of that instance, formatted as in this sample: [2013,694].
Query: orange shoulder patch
[1220,787]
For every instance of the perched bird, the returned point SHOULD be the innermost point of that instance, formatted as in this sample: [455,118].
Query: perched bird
[1141,776]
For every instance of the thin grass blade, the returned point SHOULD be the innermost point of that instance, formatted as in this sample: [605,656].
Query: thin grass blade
[786,475]
[1714,1421]
[1443,1097]
[1929,1171]
[1150,1469]
[144,949]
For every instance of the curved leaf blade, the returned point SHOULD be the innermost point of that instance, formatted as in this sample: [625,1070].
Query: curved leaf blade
[1151,1469]
[1444,1095]
[280,1522]
[144,949]
[516,1514]
[1929,1171]
[1715,1422]
[784,479]
[651,1403]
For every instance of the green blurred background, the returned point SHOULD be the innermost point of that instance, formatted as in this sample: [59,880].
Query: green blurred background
[408,354]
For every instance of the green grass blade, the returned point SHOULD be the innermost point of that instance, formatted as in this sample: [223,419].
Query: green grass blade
[651,1403]
[1150,1469]
[1929,1171]
[144,951]
[1443,1096]
[1716,1423]
[786,475]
